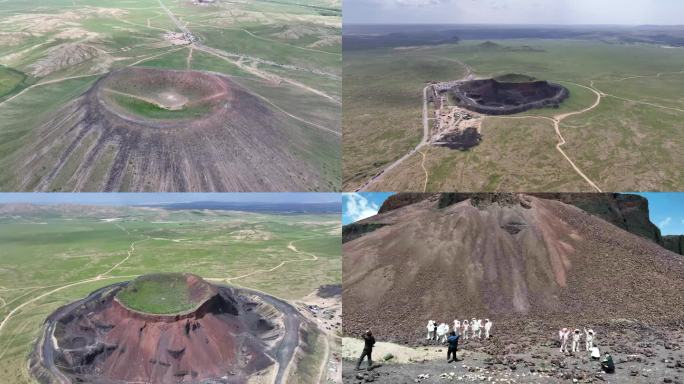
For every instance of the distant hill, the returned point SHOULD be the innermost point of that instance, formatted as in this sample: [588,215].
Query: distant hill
[649,34]
[399,39]
[293,208]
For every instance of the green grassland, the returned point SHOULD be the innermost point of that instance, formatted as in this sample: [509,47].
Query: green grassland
[10,80]
[164,293]
[620,145]
[286,39]
[288,256]
[149,110]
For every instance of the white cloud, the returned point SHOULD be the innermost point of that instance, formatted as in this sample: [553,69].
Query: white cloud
[665,223]
[357,207]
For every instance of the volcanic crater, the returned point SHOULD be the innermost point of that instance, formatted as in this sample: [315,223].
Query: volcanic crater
[141,129]
[150,96]
[159,328]
[507,94]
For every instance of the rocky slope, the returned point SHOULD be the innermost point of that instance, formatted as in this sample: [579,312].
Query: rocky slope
[627,211]
[513,257]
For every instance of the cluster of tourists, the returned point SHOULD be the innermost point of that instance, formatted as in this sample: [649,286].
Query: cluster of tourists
[474,327]
[564,336]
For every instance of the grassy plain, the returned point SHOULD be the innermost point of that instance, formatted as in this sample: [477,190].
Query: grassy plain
[622,144]
[55,47]
[82,249]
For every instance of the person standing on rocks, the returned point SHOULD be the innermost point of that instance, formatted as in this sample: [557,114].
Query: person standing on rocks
[442,332]
[457,327]
[475,323]
[430,330]
[575,340]
[589,339]
[563,335]
[487,327]
[452,340]
[369,343]
[465,329]
[434,330]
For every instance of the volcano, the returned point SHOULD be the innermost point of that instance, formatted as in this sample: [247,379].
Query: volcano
[501,96]
[505,256]
[142,129]
[158,329]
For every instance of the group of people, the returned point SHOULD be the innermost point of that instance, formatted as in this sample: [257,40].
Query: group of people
[439,332]
[564,336]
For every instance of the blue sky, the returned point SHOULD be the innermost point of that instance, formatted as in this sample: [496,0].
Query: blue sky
[156,198]
[357,206]
[666,209]
[565,12]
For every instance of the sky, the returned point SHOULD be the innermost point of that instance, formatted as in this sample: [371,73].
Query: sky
[158,198]
[564,12]
[358,206]
[666,209]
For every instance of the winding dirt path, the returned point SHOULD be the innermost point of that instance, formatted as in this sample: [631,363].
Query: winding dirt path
[291,247]
[188,65]
[426,132]
[102,276]
[422,164]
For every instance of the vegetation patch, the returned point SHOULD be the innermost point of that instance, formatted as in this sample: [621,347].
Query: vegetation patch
[11,80]
[166,293]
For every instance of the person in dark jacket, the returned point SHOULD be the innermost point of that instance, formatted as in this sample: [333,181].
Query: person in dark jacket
[452,340]
[607,364]
[369,342]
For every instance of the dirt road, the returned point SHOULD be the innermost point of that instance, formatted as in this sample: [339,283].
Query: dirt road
[426,134]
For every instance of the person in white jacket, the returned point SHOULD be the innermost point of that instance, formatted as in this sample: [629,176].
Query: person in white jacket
[442,331]
[563,336]
[430,330]
[589,334]
[487,328]
[466,326]
[457,327]
[576,335]
[475,323]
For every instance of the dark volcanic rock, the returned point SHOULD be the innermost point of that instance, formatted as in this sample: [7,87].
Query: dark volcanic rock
[402,199]
[674,243]
[493,97]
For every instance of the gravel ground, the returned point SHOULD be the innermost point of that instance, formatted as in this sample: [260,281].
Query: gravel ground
[641,354]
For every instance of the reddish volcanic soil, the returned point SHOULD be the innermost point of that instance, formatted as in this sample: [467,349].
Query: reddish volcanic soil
[514,257]
[224,339]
